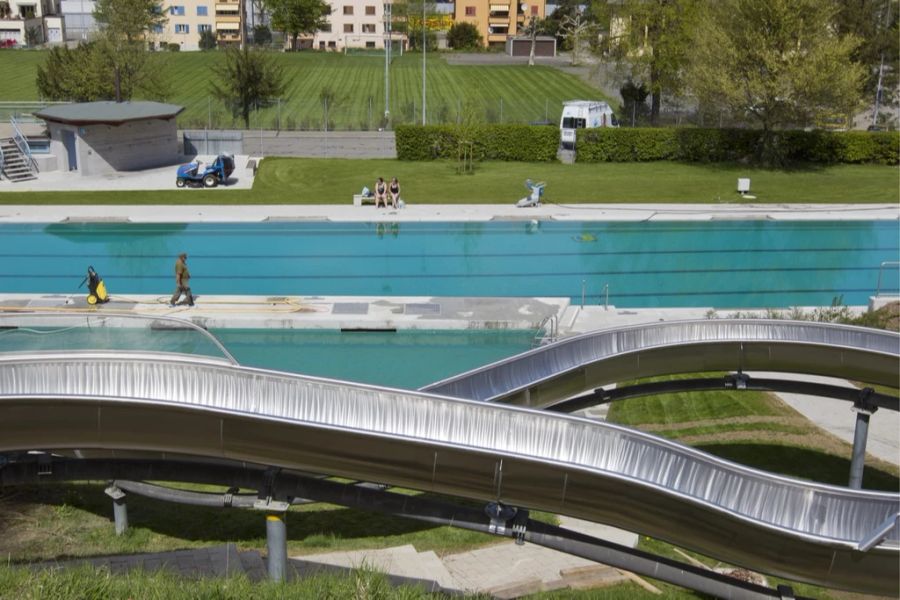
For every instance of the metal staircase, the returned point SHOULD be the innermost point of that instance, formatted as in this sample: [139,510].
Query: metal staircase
[14,164]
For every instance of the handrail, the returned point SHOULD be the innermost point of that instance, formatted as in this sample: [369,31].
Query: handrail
[22,144]
[551,321]
[107,315]
[885,263]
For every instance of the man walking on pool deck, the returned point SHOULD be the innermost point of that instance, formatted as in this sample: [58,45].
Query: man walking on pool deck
[182,281]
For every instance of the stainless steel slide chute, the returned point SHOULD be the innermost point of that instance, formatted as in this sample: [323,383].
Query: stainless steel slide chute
[205,407]
[551,373]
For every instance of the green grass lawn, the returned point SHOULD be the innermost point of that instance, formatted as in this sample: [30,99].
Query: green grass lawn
[521,93]
[334,181]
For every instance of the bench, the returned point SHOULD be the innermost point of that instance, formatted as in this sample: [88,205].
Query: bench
[359,199]
[251,166]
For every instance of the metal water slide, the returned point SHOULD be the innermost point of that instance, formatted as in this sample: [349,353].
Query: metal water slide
[549,374]
[125,401]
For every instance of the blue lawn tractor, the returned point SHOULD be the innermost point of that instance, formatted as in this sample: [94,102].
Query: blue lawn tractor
[206,174]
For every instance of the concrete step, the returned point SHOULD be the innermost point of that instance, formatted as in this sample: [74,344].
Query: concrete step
[402,564]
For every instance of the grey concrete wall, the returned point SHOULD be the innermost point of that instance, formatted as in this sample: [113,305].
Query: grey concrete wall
[321,144]
[105,149]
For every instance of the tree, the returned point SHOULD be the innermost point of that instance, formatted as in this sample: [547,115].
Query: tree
[534,26]
[777,62]
[574,30]
[634,102]
[653,38]
[76,75]
[464,36]
[295,17]
[207,40]
[262,35]
[875,23]
[33,36]
[246,79]
[123,25]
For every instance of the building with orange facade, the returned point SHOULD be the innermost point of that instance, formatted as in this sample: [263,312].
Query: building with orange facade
[497,20]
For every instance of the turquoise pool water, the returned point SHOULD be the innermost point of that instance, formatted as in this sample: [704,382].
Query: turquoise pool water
[734,264]
[407,358]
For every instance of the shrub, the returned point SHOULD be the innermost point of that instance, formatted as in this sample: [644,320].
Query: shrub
[525,143]
[729,145]
[262,35]
[173,47]
[463,36]
[207,40]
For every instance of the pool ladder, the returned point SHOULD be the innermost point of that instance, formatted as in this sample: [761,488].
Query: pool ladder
[548,331]
[887,263]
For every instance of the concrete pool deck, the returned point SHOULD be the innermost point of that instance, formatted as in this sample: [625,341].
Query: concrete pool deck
[18,213]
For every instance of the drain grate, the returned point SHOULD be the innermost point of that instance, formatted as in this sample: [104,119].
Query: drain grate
[422,308]
[350,308]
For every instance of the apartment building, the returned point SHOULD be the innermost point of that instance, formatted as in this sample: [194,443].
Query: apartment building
[79,19]
[497,20]
[353,24]
[187,19]
[40,17]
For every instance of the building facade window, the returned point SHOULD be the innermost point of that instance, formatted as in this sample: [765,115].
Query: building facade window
[368,28]
[370,44]
[370,10]
[470,11]
[326,28]
[201,28]
[534,10]
[182,28]
[176,11]
[157,29]
[348,10]
[348,27]
[202,11]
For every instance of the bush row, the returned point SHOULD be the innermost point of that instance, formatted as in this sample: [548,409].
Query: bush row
[488,142]
[727,145]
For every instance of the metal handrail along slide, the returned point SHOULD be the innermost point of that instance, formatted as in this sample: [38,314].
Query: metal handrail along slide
[552,373]
[131,401]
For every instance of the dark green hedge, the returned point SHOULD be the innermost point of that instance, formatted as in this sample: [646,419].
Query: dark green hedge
[725,145]
[528,143]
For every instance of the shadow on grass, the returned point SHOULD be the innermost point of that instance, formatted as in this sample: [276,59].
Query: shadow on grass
[210,524]
[802,463]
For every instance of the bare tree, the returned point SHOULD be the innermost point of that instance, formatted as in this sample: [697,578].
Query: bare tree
[574,30]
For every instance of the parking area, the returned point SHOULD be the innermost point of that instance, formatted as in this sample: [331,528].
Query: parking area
[161,178]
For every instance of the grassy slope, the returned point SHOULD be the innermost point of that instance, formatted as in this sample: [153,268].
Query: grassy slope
[528,93]
[334,181]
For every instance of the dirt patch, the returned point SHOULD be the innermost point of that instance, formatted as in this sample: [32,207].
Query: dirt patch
[792,421]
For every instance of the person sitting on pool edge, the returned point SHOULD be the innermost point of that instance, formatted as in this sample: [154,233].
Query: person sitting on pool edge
[380,192]
[395,192]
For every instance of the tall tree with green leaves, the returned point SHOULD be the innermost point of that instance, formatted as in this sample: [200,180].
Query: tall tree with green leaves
[653,39]
[124,25]
[247,79]
[296,17]
[78,74]
[779,63]
[875,23]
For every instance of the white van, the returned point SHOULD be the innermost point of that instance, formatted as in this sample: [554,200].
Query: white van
[583,114]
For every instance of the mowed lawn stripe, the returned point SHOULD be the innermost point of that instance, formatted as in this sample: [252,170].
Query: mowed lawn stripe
[526,91]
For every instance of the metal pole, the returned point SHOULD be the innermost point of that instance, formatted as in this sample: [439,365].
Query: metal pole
[864,409]
[387,58]
[276,545]
[120,509]
[424,44]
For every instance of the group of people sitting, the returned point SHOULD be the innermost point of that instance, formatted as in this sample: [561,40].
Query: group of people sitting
[381,193]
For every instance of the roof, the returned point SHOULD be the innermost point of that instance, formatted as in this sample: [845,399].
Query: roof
[113,113]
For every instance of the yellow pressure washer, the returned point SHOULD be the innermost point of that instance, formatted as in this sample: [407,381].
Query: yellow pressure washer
[96,288]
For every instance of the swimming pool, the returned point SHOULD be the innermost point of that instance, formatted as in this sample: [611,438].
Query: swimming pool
[723,264]
[407,358]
